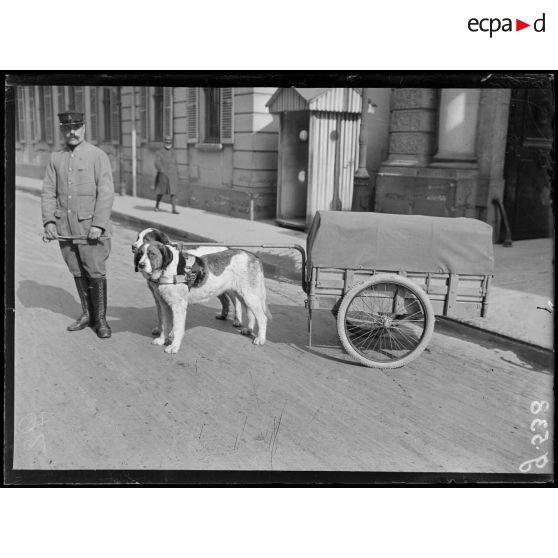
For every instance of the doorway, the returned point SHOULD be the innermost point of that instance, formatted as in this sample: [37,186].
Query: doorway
[293,169]
[527,193]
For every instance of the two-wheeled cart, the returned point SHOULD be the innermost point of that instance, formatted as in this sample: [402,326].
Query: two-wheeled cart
[385,277]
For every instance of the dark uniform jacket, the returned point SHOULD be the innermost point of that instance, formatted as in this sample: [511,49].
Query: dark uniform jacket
[166,181]
[78,191]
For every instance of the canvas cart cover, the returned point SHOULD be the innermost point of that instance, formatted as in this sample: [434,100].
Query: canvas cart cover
[391,242]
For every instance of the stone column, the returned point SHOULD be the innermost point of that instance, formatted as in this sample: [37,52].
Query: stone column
[411,181]
[412,127]
[492,136]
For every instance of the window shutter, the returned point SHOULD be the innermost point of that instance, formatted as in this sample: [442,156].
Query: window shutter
[167,111]
[93,115]
[39,113]
[192,113]
[61,99]
[49,126]
[20,114]
[227,115]
[143,113]
[32,119]
[78,92]
[115,115]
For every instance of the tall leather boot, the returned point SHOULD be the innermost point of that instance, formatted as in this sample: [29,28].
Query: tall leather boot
[82,284]
[99,299]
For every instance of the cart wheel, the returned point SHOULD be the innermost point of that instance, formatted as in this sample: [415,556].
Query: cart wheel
[385,322]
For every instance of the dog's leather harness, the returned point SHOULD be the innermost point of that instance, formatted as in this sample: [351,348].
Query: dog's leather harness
[189,278]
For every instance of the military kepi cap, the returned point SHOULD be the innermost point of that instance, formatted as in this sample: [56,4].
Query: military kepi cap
[70,117]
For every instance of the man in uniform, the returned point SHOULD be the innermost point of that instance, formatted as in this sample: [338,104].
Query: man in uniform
[76,203]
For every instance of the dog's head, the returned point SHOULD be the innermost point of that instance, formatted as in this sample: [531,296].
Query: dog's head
[149,235]
[152,258]
[145,236]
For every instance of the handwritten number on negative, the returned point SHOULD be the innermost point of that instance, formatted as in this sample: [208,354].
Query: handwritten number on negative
[537,406]
[541,422]
[540,438]
[540,462]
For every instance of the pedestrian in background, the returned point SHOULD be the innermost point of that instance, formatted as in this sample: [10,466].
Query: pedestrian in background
[76,202]
[166,181]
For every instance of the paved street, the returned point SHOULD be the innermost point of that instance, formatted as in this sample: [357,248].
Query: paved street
[223,403]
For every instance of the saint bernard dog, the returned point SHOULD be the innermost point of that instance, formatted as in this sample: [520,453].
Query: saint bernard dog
[228,300]
[179,278]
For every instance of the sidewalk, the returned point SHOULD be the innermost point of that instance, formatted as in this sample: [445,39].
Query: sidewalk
[523,283]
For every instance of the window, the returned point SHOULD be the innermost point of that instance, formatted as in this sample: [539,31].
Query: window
[157,114]
[167,111]
[20,128]
[161,113]
[115,117]
[32,112]
[110,121]
[72,98]
[76,98]
[107,114]
[45,131]
[143,114]
[210,115]
[93,109]
[61,98]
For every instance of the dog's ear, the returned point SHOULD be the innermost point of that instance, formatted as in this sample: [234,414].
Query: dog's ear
[164,238]
[137,258]
[167,255]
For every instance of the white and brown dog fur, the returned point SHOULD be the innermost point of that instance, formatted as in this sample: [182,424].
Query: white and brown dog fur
[229,302]
[230,270]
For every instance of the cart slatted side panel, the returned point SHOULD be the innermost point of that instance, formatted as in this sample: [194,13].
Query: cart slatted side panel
[452,295]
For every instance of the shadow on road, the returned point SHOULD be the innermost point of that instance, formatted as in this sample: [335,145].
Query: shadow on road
[288,325]
[35,295]
[32,294]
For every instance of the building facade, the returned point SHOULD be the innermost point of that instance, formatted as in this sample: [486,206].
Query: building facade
[224,138]
[37,132]
[483,153]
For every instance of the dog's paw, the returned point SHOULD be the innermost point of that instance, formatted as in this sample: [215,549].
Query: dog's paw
[246,331]
[259,341]
[172,349]
[156,331]
[158,341]
[236,323]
